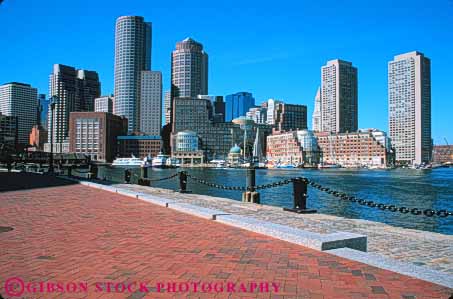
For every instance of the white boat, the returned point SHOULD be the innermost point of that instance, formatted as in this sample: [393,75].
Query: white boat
[127,162]
[285,166]
[147,162]
[160,161]
[172,163]
[218,163]
[325,165]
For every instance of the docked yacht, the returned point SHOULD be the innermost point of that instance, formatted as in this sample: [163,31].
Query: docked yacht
[160,161]
[127,162]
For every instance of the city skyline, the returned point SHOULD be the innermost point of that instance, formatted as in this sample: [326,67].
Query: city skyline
[244,71]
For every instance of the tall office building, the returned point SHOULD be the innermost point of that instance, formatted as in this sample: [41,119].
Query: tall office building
[8,133]
[73,90]
[290,117]
[20,100]
[218,105]
[42,110]
[339,97]
[409,93]
[189,70]
[238,104]
[104,104]
[167,106]
[132,56]
[151,103]
[316,117]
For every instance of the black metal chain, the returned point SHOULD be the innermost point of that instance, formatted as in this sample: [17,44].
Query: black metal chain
[161,179]
[381,206]
[274,184]
[218,186]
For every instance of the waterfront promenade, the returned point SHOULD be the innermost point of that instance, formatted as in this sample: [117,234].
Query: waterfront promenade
[72,233]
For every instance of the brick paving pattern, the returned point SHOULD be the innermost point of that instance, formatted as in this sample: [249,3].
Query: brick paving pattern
[76,233]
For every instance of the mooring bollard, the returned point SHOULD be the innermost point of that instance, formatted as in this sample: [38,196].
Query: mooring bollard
[144,172]
[127,176]
[183,182]
[300,191]
[251,195]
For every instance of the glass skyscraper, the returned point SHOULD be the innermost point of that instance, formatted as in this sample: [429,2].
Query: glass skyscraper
[132,56]
[238,104]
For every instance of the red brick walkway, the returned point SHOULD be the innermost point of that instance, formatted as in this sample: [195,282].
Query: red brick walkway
[78,234]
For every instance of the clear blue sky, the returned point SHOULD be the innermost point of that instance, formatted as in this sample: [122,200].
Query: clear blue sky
[270,48]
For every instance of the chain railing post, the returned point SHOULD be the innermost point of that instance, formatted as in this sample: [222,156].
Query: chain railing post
[93,171]
[300,194]
[127,176]
[250,195]
[144,172]
[183,182]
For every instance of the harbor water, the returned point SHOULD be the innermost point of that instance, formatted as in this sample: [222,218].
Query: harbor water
[422,189]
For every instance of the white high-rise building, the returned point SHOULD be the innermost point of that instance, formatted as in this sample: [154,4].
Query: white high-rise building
[316,117]
[167,106]
[271,107]
[20,100]
[339,98]
[409,94]
[104,104]
[132,56]
[258,114]
[151,103]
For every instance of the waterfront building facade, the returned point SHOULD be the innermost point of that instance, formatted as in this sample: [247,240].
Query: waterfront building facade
[443,154]
[235,156]
[339,97]
[238,104]
[140,146]
[104,104]
[132,56]
[187,149]
[283,148]
[409,96]
[316,117]
[8,133]
[309,143]
[72,90]
[196,115]
[151,103]
[94,134]
[297,148]
[20,100]
[356,149]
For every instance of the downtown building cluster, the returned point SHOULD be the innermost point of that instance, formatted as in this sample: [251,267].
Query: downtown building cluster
[200,127]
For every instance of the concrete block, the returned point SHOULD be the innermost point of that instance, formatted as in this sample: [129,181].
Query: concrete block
[393,265]
[297,236]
